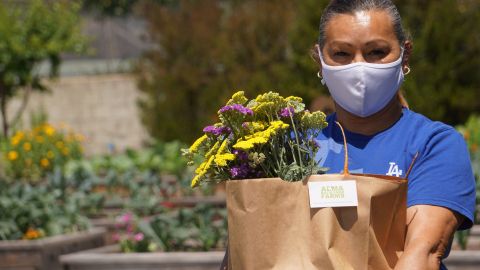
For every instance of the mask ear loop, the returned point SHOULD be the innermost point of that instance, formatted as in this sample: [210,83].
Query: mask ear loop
[318,73]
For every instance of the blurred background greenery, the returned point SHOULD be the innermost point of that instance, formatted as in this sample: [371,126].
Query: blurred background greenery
[194,55]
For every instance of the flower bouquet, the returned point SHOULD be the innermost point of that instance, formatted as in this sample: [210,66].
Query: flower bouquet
[269,136]
[272,222]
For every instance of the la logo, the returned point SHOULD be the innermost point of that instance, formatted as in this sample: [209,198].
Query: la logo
[393,170]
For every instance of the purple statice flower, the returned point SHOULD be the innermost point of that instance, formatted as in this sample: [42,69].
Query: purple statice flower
[240,171]
[236,107]
[241,155]
[287,112]
[217,131]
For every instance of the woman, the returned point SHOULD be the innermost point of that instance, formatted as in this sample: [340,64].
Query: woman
[363,53]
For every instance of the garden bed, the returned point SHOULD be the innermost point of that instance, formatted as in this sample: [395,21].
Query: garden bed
[463,260]
[109,258]
[43,254]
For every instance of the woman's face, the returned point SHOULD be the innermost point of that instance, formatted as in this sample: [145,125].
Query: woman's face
[365,36]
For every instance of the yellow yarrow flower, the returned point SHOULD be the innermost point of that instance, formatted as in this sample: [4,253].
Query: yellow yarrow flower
[201,171]
[238,98]
[212,150]
[197,144]
[221,160]
[294,98]
[264,107]
[50,155]
[223,147]
[260,137]
[243,145]
[12,155]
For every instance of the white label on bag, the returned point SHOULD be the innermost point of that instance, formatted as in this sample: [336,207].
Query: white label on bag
[333,194]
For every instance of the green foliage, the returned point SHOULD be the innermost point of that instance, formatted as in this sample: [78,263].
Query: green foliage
[114,8]
[129,236]
[138,180]
[31,33]
[445,78]
[471,133]
[207,47]
[201,228]
[30,211]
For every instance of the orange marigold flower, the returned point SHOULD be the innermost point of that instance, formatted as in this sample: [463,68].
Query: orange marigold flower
[44,162]
[12,155]
[32,234]
[27,146]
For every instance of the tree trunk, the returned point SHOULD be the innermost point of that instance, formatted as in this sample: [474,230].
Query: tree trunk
[3,108]
[23,106]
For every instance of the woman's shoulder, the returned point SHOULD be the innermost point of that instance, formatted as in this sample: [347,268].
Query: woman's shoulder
[424,129]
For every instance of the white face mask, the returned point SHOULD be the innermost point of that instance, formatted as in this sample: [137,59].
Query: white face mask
[363,88]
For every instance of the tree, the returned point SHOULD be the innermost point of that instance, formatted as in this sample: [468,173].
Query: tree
[445,79]
[206,50]
[30,34]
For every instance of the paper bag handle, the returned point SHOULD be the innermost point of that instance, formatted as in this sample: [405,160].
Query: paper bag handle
[345,163]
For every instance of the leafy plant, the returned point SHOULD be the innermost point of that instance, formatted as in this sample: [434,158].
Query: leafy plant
[129,237]
[471,133]
[30,211]
[201,228]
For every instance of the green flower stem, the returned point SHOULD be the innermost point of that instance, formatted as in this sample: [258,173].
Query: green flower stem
[298,142]
[275,153]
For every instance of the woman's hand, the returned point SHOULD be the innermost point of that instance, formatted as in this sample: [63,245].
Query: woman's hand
[429,232]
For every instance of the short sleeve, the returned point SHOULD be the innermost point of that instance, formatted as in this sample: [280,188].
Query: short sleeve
[442,175]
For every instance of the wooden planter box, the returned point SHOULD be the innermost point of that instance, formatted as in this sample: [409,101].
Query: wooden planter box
[109,258]
[43,254]
[473,242]
[463,260]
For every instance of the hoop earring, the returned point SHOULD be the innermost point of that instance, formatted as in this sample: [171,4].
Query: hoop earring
[321,78]
[408,70]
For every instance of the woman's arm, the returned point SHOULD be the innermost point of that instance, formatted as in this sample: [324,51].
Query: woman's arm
[429,232]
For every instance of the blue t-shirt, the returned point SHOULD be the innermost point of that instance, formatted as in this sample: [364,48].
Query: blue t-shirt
[441,176]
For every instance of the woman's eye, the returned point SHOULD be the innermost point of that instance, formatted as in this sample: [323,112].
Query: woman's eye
[341,54]
[376,53]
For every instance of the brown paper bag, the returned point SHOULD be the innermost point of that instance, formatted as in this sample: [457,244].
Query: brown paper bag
[271,224]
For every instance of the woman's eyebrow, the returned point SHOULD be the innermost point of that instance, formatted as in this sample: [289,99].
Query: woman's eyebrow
[377,41]
[341,43]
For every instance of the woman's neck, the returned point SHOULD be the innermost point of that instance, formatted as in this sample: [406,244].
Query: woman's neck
[373,124]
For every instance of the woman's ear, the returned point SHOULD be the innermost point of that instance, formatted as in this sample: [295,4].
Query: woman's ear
[406,54]
[316,57]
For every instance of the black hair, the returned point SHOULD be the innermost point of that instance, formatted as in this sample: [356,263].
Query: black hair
[351,6]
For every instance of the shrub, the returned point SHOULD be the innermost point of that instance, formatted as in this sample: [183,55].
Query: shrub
[31,154]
